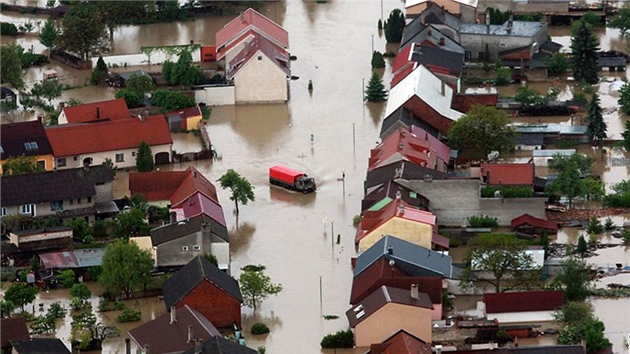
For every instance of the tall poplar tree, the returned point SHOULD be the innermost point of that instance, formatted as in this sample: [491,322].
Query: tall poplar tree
[596,127]
[49,34]
[584,48]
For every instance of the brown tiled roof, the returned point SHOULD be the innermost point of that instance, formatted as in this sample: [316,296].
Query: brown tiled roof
[381,273]
[194,182]
[164,336]
[402,342]
[85,138]
[102,110]
[507,174]
[533,221]
[12,328]
[156,186]
[14,136]
[523,301]
[381,297]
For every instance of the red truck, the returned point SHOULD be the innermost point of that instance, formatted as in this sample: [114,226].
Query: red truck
[291,179]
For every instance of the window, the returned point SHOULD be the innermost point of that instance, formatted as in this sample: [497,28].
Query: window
[56,205]
[196,248]
[133,153]
[76,158]
[27,209]
[30,146]
[78,200]
[1,150]
[120,157]
[89,200]
[482,55]
[260,57]
[184,248]
[467,55]
[41,164]
[3,211]
[61,162]
[71,201]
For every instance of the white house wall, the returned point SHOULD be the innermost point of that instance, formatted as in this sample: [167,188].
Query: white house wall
[261,81]
[518,317]
[100,157]
[216,95]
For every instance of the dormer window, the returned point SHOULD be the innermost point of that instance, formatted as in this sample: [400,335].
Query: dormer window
[30,146]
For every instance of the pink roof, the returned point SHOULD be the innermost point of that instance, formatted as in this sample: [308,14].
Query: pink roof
[198,204]
[277,55]
[509,173]
[442,150]
[193,183]
[104,110]
[402,145]
[250,19]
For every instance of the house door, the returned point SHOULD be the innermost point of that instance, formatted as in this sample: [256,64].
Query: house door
[162,158]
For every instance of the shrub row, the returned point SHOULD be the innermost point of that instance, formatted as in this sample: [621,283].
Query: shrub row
[507,192]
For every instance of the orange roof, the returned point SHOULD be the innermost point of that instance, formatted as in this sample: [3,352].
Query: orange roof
[193,183]
[85,138]
[156,186]
[103,110]
[514,174]
[402,145]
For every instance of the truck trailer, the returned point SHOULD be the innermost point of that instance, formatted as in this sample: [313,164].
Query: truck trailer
[291,179]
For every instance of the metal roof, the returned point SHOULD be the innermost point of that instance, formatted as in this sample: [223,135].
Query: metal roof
[551,128]
[73,259]
[519,29]
[553,152]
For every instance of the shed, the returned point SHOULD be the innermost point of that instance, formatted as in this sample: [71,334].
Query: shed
[513,307]
[533,223]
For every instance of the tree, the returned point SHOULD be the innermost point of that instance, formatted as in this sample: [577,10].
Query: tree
[81,231]
[482,130]
[83,31]
[49,34]
[377,60]
[621,21]
[584,163]
[595,125]
[256,286]
[131,98]
[125,267]
[144,158]
[578,323]
[183,72]
[80,294]
[21,165]
[584,48]
[503,258]
[129,223]
[624,98]
[242,190]
[86,332]
[394,26]
[11,65]
[626,136]
[140,84]
[20,294]
[100,72]
[375,90]
[568,183]
[558,64]
[6,308]
[171,101]
[116,13]
[49,89]
[574,278]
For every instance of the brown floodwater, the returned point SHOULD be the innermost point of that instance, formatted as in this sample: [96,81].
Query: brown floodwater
[294,235]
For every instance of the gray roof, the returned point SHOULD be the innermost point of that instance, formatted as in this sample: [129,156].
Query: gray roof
[551,47]
[39,346]
[413,259]
[416,33]
[186,227]
[519,29]
[127,75]
[436,15]
[529,139]
[220,345]
[604,62]
[192,274]
[551,128]
[453,61]
[553,152]
[52,185]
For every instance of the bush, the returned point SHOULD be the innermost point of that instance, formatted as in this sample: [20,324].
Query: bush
[66,278]
[595,226]
[171,101]
[377,60]
[8,29]
[259,328]
[341,339]
[482,221]
[128,315]
[132,99]
[617,200]
[507,192]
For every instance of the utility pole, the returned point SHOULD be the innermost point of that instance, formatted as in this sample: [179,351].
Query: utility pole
[343,182]
[353,140]
[332,238]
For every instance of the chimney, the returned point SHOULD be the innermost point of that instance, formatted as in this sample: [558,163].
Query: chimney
[98,113]
[429,33]
[414,291]
[190,336]
[510,24]
[173,315]
[398,195]
[127,345]
[442,88]
[390,250]
[62,105]
[401,209]
[195,173]
[441,40]
[438,349]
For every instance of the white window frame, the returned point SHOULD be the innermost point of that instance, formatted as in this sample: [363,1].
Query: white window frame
[184,248]
[27,209]
[196,248]
[122,157]
[3,211]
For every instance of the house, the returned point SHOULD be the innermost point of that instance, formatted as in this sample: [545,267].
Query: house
[401,342]
[440,149]
[178,243]
[12,329]
[388,310]
[399,170]
[194,183]
[207,289]
[220,345]
[382,273]
[517,307]
[116,140]
[404,118]
[542,157]
[184,119]
[28,139]
[508,174]
[66,194]
[410,258]
[552,132]
[428,35]
[403,145]
[532,224]
[39,346]
[391,190]
[446,65]
[260,61]
[426,96]
[173,332]
[7,95]
[446,22]
[59,237]
[231,38]
[394,217]
[529,142]
[156,187]
[110,110]
[464,9]
[463,102]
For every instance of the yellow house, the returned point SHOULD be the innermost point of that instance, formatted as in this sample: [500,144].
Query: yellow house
[394,217]
[26,139]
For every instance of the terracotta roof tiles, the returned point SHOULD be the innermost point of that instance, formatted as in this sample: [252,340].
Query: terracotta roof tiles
[103,110]
[523,301]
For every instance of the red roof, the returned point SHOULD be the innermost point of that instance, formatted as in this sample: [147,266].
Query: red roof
[12,328]
[529,220]
[509,174]
[156,186]
[398,77]
[193,183]
[523,301]
[250,20]
[103,110]
[198,204]
[401,342]
[276,54]
[185,113]
[85,138]
[403,58]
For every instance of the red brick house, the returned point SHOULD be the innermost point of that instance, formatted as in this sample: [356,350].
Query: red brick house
[207,289]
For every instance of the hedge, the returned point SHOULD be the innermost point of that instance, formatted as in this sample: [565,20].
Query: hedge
[341,339]
[507,192]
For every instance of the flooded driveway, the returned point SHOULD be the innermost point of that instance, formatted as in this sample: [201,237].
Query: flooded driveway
[293,235]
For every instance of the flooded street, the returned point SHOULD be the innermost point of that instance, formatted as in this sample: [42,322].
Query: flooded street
[294,235]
